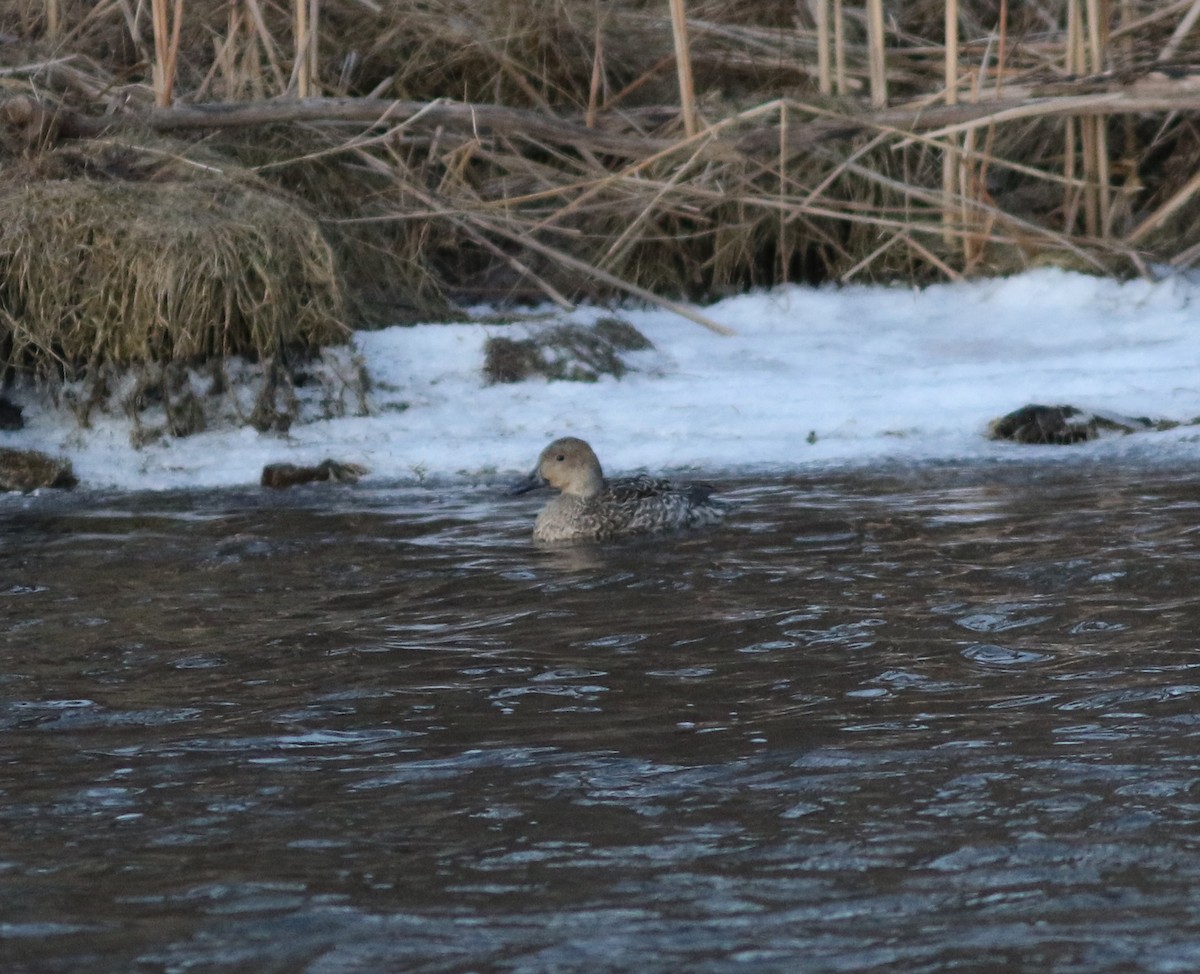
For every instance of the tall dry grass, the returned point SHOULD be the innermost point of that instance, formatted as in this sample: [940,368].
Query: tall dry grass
[678,148]
[119,273]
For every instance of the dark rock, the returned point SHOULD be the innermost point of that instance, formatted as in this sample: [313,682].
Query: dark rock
[282,475]
[10,416]
[1063,425]
[26,470]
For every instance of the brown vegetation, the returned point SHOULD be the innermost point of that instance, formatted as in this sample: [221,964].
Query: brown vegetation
[100,272]
[27,470]
[451,150]
[577,353]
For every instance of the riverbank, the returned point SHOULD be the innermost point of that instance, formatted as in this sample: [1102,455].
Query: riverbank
[812,377]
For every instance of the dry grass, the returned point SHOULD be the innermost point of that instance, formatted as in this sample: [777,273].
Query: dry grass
[98,273]
[558,149]
[104,275]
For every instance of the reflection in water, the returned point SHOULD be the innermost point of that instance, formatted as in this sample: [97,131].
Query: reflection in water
[930,720]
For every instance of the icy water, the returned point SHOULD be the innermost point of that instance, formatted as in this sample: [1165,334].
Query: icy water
[922,720]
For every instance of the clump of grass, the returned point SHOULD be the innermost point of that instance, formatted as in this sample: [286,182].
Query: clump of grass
[97,275]
[576,353]
[27,470]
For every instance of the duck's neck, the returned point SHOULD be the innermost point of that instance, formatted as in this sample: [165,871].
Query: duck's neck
[587,486]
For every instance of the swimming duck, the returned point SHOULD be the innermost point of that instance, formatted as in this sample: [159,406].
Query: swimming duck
[590,507]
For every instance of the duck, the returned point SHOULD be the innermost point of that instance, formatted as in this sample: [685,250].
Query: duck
[590,507]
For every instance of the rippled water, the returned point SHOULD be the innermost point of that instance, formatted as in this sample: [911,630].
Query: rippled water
[926,720]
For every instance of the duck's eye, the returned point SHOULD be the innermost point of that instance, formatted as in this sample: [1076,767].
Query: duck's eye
[560,458]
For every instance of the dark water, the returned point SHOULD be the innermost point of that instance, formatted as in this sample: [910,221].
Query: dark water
[932,720]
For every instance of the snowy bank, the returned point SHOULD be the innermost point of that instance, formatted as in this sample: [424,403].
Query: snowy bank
[824,376]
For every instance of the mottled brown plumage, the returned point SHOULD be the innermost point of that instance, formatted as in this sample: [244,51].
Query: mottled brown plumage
[589,507]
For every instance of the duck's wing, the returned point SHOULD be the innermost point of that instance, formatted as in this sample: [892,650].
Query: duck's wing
[630,490]
[634,505]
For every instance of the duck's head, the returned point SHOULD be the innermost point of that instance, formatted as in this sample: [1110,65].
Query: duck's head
[568,464]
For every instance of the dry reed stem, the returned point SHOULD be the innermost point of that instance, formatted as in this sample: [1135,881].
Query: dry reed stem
[223,59]
[624,194]
[1073,199]
[671,149]
[301,79]
[33,68]
[597,82]
[159,20]
[1033,231]
[574,263]
[932,257]
[166,49]
[1181,31]
[1167,97]
[1097,34]
[683,66]
[928,199]
[889,242]
[467,221]
[1185,258]
[1098,14]
[523,238]
[268,43]
[627,236]
[877,59]
[1157,219]
[950,162]
[950,59]
[1135,24]
[312,53]
[839,47]
[354,143]
[824,75]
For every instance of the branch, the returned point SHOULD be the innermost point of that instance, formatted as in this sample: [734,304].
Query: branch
[1084,97]
[477,120]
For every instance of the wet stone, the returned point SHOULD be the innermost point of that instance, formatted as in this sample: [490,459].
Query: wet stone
[26,470]
[1064,425]
[10,416]
[283,475]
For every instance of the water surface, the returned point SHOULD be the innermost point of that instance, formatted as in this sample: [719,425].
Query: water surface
[918,720]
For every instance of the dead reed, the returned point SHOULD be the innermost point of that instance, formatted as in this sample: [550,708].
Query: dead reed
[552,149]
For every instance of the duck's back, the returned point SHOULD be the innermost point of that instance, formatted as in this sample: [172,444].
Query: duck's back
[629,505]
[652,504]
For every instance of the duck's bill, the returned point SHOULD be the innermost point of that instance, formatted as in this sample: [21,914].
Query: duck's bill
[533,482]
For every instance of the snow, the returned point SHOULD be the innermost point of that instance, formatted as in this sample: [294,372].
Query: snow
[814,377]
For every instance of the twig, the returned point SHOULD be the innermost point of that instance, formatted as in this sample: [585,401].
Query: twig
[1182,29]
[613,281]
[1160,216]
[464,221]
